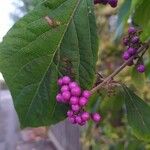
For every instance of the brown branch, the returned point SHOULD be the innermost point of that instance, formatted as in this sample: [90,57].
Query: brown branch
[120,68]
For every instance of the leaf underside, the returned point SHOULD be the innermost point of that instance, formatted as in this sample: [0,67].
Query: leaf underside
[138,113]
[34,53]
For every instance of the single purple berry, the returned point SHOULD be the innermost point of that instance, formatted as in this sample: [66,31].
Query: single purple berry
[64,88]
[85,116]
[66,80]
[135,39]
[74,100]
[96,117]
[75,108]
[73,85]
[78,119]
[131,30]
[60,82]
[83,101]
[141,68]
[113,3]
[59,98]
[76,91]
[86,94]
[125,41]
[131,51]
[72,120]
[66,96]
[126,55]
[70,113]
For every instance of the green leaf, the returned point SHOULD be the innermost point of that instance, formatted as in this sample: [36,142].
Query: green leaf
[94,103]
[138,113]
[123,15]
[34,53]
[147,72]
[142,18]
[135,145]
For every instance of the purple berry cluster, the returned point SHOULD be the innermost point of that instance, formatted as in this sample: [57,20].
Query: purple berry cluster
[112,3]
[132,43]
[71,93]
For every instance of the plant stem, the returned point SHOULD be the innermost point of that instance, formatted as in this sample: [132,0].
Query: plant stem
[120,68]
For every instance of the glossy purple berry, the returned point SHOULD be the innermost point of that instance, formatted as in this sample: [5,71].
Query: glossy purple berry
[64,88]
[126,55]
[59,98]
[72,120]
[75,108]
[83,101]
[96,117]
[135,39]
[70,113]
[86,94]
[60,82]
[66,80]
[76,91]
[141,68]
[131,30]
[66,96]
[131,51]
[113,3]
[74,100]
[78,119]
[85,116]
[73,85]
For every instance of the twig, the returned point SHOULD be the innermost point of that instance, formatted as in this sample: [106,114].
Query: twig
[120,68]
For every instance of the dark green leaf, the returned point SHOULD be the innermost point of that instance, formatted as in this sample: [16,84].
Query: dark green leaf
[142,18]
[34,53]
[147,72]
[123,15]
[138,113]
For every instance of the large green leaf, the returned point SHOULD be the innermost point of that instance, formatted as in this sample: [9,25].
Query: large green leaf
[142,18]
[138,113]
[34,53]
[123,15]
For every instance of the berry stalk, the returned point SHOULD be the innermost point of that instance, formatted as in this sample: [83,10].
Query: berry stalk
[119,69]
